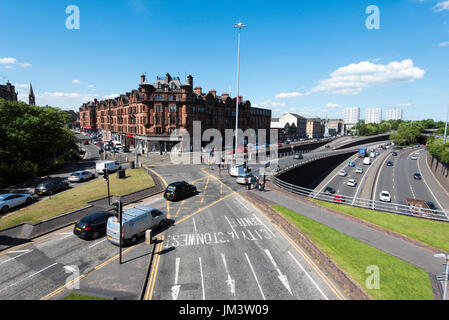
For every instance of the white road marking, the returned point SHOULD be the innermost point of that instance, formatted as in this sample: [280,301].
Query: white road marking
[241,202]
[308,275]
[232,227]
[23,253]
[194,225]
[229,281]
[281,276]
[97,243]
[260,220]
[175,288]
[202,279]
[29,276]
[252,269]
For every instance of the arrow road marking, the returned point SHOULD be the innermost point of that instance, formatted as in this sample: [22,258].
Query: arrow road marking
[176,287]
[281,276]
[230,282]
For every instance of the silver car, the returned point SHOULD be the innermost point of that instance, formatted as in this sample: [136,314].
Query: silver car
[11,200]
[80,176]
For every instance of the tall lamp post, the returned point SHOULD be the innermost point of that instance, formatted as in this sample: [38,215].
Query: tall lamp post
[445,127]
[445,275]
[239,25]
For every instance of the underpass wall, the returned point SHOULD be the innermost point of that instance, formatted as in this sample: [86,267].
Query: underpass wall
[440,170]
[311,174]
[361,143]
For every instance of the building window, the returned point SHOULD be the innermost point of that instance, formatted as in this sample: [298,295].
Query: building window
[158,108]
[172,108]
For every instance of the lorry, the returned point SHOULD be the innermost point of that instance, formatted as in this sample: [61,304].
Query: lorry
[135,222]
[367,161]
[362,153]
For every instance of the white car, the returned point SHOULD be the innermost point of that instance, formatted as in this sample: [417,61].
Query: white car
[244,178]
[414,157]
[11,200]
[385,196]
[358,170]
[80,176]
[351,183]
[342,173]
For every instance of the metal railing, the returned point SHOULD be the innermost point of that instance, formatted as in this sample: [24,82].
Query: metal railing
[396,208]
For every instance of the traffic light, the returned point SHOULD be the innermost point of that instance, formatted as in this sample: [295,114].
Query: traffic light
[105,174]
[118,207]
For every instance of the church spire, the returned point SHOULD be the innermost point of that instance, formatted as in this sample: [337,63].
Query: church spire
[31,98]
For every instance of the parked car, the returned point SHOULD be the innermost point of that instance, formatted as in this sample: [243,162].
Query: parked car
[79,176]
[135,222]
[51,186]
[113,150]
[179,190]
[417,176]
[389,163]
[111,166]
[329,189]
[385,196]
[351,164]
[298,156]
[351,183]
[92,226]
[358,170]
[85,142]
[123,149]
[244,178]
[342,173]
[99,144]
[12,200]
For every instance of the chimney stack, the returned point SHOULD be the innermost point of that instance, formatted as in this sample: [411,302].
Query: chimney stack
[198,90]
[190,80]
[225,95]
[142,78]
[168,77]
[240,99]
[213,92]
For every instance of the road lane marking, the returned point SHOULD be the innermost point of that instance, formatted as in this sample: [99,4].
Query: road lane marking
[175,288]
[281,276]
[17,251]
[32,275]
[233,230]
[153,275]
[97,243]
[308,275]
[194,225]
[255,277]
[229,281]
[202,279]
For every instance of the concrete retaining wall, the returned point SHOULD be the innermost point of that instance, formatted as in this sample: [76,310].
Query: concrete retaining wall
[440,170]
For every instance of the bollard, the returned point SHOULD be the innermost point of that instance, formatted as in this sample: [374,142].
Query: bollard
[148,235]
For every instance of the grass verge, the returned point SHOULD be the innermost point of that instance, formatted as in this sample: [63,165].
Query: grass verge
[75,296]
[77,198]
[432,233]
[399,280]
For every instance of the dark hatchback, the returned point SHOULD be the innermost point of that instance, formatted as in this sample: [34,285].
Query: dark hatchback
[51,186]
[178,190]
[417,176]
[92,226]
[329,189]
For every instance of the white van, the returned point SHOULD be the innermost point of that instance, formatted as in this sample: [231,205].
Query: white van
[135,222]
[366,161]
[111,166]
[117,144]
[372,155]
[236,170]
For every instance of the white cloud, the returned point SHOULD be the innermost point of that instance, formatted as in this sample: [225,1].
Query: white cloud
[352,79]
[444,44]
[8,60]
[76,81]
[9,67]
[111,96]
[268,104]
[91,86]
[333,105]
[404,104]
[288,95]
[441,6]
[13,61]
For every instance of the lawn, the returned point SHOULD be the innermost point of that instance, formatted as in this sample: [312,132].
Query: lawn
[433,233]
[75,296]
[77,198]
[399,280]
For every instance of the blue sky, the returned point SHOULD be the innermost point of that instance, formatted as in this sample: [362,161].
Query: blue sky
[303,56]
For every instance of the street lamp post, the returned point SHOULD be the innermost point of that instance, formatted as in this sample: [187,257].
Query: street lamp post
[239,25]
[445,127]
[445,274]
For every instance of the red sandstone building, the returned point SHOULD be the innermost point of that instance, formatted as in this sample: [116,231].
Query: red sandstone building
[145,118]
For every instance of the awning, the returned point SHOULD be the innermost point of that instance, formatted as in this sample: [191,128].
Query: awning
[129,135]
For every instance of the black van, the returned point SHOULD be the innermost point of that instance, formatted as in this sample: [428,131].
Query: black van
[92,226]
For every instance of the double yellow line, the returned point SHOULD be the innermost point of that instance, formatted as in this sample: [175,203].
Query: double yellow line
[153,273]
